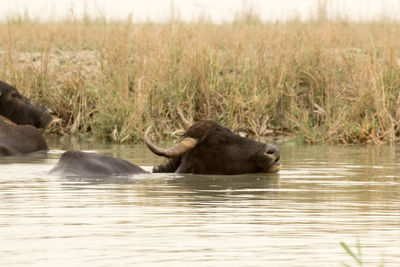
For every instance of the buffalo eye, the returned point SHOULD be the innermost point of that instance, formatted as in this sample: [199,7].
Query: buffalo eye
[217,142]
[14,95]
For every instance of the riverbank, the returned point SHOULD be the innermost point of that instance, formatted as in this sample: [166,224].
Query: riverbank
[318,81]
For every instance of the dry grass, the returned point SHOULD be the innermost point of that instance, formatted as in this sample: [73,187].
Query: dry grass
[321,81]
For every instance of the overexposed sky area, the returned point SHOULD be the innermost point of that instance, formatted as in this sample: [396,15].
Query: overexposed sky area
[190,10]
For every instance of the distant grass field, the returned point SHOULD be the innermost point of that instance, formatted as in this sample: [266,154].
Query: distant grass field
[317,81]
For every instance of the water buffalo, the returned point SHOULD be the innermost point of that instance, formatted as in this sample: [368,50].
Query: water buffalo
[91,164]
[19,139]
[19,120]
[20,109]
[208,147]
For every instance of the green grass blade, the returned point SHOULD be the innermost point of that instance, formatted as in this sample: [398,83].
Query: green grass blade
[348,250]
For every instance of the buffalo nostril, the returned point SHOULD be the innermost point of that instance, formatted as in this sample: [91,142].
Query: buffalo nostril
[271,157]
[271,149]
[277,154]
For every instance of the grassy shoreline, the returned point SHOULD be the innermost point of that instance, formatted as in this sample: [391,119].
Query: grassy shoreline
[318,81]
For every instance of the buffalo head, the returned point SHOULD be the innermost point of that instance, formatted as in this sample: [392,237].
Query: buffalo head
[20,109]
[208,147]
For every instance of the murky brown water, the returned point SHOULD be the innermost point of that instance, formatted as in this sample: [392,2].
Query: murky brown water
[323,196]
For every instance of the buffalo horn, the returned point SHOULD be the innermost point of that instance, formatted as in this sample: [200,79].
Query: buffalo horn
[185,145]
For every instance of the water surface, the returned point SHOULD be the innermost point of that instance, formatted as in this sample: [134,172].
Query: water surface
[323,196]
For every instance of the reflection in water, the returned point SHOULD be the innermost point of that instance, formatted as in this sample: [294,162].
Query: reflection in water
[323,195]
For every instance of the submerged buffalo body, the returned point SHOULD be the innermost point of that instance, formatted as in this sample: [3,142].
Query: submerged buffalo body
[19,139]
[19,120]
[92,164]
[210,148]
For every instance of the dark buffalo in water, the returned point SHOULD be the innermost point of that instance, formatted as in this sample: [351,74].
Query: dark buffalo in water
[19,139]
[91,164]
[208,147]
[20,109]
[19,120]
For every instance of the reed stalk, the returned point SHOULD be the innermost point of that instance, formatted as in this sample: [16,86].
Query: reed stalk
[321,81]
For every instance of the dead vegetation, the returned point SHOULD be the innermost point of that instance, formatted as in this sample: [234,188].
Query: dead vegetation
[320,81]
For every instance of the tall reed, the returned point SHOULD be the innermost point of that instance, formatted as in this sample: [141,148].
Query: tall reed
[318,81]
